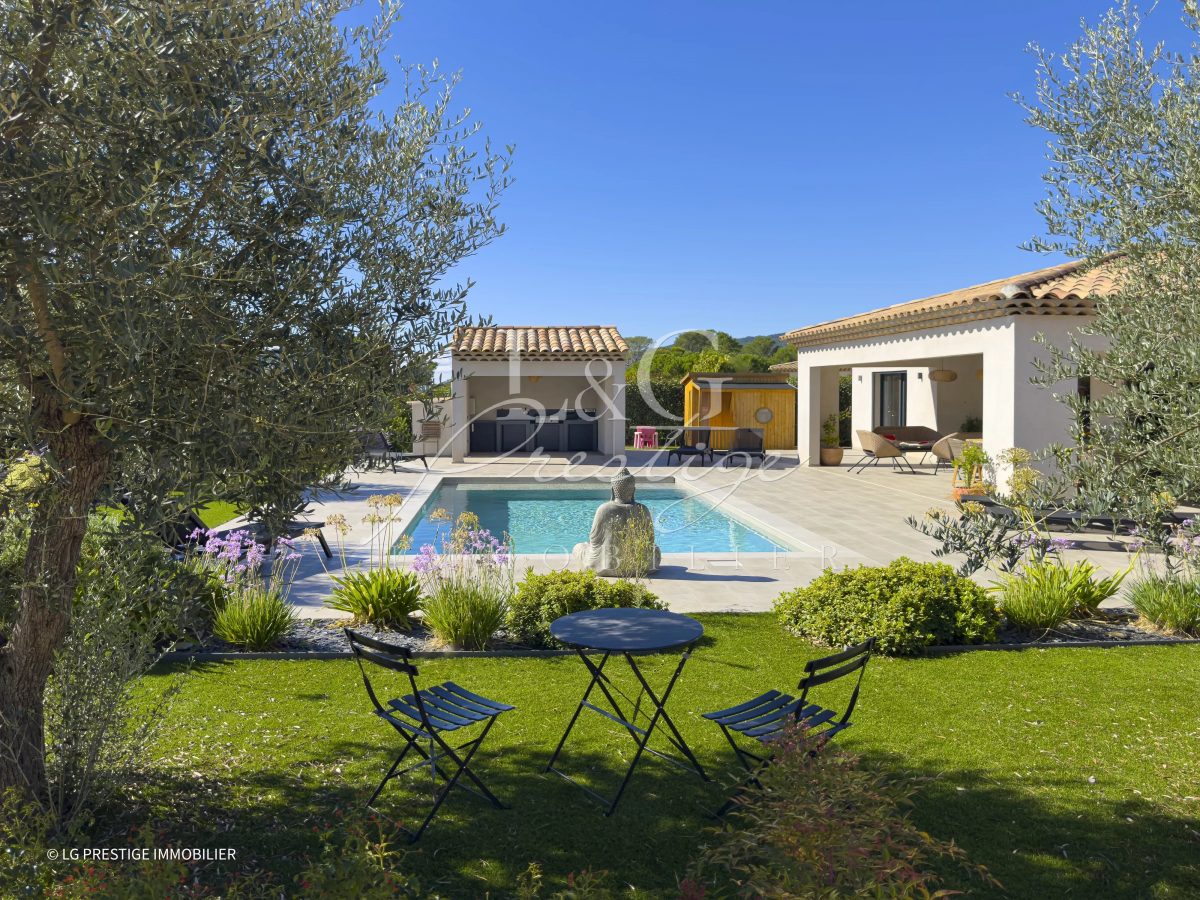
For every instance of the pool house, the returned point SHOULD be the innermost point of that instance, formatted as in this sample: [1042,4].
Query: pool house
[554,389]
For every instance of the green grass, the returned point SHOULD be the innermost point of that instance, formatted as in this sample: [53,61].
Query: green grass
[1066,772]
[217,513]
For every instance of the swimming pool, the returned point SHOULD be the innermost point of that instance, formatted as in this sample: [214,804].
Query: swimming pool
[543,518]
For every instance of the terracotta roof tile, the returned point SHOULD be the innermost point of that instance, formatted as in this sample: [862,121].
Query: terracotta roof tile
[557,341]
[1068,289]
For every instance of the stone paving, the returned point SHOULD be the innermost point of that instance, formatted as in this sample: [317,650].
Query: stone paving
[840,518]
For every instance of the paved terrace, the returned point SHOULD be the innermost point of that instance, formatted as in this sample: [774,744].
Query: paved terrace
[839,519]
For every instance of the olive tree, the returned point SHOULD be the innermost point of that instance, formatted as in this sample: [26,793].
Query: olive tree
[219,256]
[1124,187]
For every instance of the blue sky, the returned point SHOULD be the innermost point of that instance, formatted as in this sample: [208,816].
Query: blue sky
[751,167]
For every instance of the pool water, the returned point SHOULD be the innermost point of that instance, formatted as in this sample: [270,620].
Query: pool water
[544,519]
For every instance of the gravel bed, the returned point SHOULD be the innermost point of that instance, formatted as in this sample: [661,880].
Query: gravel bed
[325,636]
[1109,628]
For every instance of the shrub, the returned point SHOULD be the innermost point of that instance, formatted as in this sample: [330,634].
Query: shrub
[128,594]
[1169,603]
[465,614]
[1046,593]
[821,826]
[468,584]
[905,605]
[253,619]
[540,599]
[382,597]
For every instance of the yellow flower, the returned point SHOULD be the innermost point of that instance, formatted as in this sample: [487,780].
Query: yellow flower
[439,515]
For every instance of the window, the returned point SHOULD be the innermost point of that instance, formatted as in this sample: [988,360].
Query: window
[891,403]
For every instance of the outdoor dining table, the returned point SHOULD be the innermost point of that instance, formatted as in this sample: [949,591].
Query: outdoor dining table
[628,632]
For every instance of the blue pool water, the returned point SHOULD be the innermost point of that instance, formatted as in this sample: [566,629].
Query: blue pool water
[545,519]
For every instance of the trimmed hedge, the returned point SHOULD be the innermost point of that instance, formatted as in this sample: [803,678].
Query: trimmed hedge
[540,599]
[667,394]
[906,606]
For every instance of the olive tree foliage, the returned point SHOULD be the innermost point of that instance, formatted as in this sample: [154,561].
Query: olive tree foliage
[1124,190]
[219,257]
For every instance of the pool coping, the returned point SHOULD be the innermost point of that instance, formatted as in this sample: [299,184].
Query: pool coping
[766,525]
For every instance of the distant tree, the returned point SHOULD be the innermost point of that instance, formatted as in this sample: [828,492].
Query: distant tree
[748,362]
[695,341]
[638,345]
[218,259]
[763,345]
[698,341]
[1123,181]
[711,360]
[727,343]
[783,355]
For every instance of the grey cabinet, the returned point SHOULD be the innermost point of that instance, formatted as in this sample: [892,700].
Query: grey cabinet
[513,436]
[581,436]
[483,437]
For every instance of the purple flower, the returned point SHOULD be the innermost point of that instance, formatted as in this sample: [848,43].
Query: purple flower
[255,554]
[197,534]
[1059,544]
[426,560]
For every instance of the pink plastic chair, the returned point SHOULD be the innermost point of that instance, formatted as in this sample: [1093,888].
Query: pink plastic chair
[645,437]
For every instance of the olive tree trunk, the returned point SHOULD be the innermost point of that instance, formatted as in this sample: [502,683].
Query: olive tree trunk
[44,612]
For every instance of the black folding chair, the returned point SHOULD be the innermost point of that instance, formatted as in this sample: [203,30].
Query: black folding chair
[765,717]
[426,715]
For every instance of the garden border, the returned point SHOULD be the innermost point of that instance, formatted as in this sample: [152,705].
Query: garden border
[231,655]
[946,649]
[176,656]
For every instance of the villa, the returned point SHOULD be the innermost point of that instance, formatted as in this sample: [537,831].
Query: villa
[942,361]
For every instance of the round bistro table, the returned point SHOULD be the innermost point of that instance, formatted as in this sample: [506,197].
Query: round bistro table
[628,632]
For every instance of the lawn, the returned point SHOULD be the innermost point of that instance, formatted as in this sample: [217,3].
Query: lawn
[217,513]
[1066,772]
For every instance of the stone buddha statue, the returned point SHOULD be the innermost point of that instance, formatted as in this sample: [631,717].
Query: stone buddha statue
[621,526]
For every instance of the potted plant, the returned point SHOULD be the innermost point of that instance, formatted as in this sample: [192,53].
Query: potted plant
[432,418]
[968,470]
[831,450]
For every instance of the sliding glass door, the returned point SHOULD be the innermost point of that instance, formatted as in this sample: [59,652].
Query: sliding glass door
[891,391]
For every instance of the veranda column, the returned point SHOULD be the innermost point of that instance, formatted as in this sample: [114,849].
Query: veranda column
[808,413]
[460,416]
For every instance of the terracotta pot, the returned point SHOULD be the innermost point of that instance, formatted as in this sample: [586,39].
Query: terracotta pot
[831,456]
